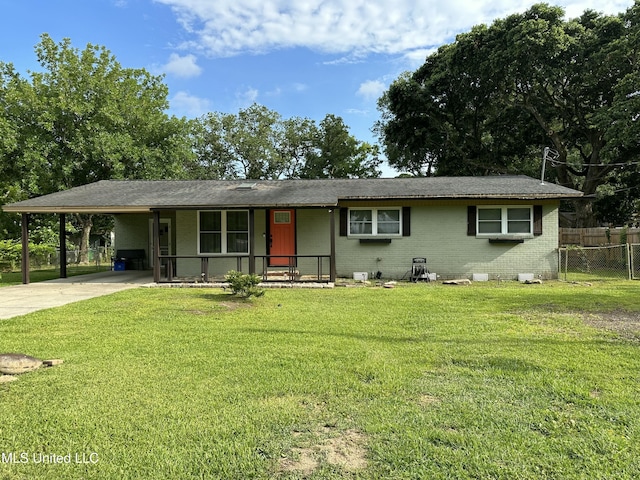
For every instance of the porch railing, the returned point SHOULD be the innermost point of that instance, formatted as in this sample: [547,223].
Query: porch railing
[293,272]
[288,271]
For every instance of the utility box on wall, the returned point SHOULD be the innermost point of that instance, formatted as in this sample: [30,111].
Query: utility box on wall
[480,277]
[361,276]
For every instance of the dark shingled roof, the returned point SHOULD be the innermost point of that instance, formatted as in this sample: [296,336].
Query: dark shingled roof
[114,196]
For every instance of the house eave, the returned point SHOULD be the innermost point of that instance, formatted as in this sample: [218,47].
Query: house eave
[501,197]
[75,209]
[241,206]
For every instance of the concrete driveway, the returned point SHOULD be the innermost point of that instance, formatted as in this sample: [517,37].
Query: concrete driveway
[22,299]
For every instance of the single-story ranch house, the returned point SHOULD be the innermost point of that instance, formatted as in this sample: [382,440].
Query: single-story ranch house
[323,229]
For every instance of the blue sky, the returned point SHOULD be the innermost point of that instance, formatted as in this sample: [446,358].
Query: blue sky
[303,58]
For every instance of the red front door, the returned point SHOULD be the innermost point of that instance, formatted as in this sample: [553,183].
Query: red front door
[282,237]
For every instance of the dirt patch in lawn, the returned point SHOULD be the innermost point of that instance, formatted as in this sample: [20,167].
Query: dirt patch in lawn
[344,449]
[219,307]
[233,305]
[426,400]
[624,323]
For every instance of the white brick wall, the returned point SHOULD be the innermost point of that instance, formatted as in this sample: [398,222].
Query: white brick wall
[438,232]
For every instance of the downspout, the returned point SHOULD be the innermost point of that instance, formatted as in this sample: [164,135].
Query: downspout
[25,248]
[252,242]
[63,246]
[156,247]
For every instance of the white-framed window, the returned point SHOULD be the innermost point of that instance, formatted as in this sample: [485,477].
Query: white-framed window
[223,231]
[375,221]
[505,220]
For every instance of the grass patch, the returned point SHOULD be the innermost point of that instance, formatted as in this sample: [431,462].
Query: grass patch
[421,381]
[15,278]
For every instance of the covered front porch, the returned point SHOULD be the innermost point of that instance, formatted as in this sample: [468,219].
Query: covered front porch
[278,244]
[176,247]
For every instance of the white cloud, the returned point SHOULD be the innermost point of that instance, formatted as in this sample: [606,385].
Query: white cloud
[356,111]
[371,89]
[245,98]
[415,58]
[352,27]
[276,92]
[185,104]
[184,67]
[280,90]
[351,59]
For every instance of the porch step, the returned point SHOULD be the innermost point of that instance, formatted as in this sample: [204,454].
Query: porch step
[283,273]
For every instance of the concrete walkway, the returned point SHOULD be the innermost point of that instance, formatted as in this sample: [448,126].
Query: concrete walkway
[22,299]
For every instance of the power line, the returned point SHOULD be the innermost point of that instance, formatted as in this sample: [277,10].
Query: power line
[618,190]
[555,163]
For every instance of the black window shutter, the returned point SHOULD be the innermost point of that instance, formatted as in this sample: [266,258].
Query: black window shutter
[406,221]
[537,219]
[471,220]
[343,221]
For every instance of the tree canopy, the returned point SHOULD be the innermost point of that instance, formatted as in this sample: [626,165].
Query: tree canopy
[337,154]
[258,143]
[490,102]
[84,118]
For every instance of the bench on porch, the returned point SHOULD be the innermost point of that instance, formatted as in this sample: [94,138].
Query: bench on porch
[133,258]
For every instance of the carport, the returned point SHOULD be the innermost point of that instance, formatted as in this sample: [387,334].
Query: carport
[25,267]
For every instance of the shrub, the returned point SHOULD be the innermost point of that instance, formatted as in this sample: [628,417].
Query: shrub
[244,285]
[11,254]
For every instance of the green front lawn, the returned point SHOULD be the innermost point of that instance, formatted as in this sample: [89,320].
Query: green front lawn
[420,381]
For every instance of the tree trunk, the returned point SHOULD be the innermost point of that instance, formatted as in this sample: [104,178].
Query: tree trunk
[85,222]
[584,213]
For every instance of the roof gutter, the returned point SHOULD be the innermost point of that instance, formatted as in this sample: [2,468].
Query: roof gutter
[465,197]
[95,210]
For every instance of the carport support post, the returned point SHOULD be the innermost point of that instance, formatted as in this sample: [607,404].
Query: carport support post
[332,233]
[63,246]
[25,248]
[156,247]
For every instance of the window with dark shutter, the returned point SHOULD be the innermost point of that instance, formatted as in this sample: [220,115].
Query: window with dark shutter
[471,220]
[344,219]
[537,220]
[406,221]
[375,222]
[504,220]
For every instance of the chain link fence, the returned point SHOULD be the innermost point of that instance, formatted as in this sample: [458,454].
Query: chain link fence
[99,256]
[96,256]
[597,263]
[635,261]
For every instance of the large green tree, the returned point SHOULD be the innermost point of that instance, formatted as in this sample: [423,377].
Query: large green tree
[9,189]
[258,143]
[338,154]
[492,100]
[245,145]
[83,118]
